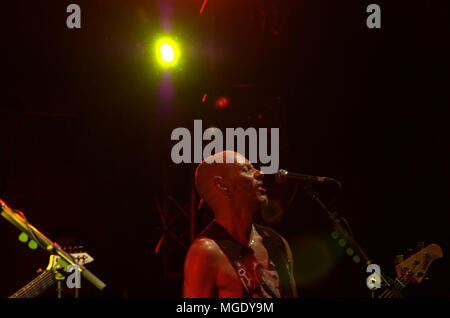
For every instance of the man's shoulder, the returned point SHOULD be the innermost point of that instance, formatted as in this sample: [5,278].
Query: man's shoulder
[204,247]
[204,242]
[201,268]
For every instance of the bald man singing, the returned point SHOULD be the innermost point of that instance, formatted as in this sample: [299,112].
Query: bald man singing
[235,257]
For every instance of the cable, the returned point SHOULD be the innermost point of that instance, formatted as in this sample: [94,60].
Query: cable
[347,225]
[336,195]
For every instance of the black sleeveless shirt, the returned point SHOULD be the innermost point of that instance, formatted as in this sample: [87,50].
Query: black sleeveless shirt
[241,258]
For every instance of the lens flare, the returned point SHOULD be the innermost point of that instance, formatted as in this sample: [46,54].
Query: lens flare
[322,254]
[167,53]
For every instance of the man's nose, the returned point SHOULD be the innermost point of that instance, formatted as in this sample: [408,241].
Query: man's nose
[259,175]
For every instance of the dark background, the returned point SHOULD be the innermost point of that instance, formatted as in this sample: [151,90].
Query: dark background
[85,131]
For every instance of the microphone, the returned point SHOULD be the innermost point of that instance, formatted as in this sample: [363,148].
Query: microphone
[282,176]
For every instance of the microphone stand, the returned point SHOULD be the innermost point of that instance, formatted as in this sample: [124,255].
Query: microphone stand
[348,237]
[46,244]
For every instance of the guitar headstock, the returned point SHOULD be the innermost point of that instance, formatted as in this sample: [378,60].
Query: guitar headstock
[413,269]
[79,255]
[81,258]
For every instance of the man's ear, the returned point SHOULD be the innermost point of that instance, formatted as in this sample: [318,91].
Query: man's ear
[218,182]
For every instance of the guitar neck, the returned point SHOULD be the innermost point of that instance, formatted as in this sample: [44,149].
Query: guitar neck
[36,286]
[398,286]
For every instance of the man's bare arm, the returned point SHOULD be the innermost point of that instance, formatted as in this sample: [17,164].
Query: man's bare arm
[200,269]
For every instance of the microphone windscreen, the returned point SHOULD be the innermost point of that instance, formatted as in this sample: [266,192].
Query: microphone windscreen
[281,176]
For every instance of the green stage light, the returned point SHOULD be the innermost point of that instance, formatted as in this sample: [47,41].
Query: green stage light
[23,237]
[32,244]
[342,242]
[356,259]
[167,52]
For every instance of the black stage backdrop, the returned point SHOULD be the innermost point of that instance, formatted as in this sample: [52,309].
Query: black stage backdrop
[86,118]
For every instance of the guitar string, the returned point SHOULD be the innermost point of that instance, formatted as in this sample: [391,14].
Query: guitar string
[405,283]
[404,278]
[388,292]
[32,291]
[26,287]
[40,280]
[44,282]
[43,278]
[399,279]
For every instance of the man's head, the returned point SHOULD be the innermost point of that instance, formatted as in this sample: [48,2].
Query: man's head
[228,179]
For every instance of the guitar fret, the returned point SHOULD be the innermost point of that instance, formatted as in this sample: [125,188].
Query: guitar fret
[36,286]
[398,283]
[35,289]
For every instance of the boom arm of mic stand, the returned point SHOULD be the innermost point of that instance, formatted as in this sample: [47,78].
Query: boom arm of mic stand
[343,232]
[16,220]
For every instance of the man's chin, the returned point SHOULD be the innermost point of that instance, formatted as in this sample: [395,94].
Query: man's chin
[263,201]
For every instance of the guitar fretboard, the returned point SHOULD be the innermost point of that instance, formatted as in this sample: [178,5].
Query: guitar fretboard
[398,285]
[36,286]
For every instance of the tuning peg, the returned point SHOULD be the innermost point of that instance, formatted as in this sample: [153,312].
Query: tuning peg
[420,246]
[410,252]
[399,258]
